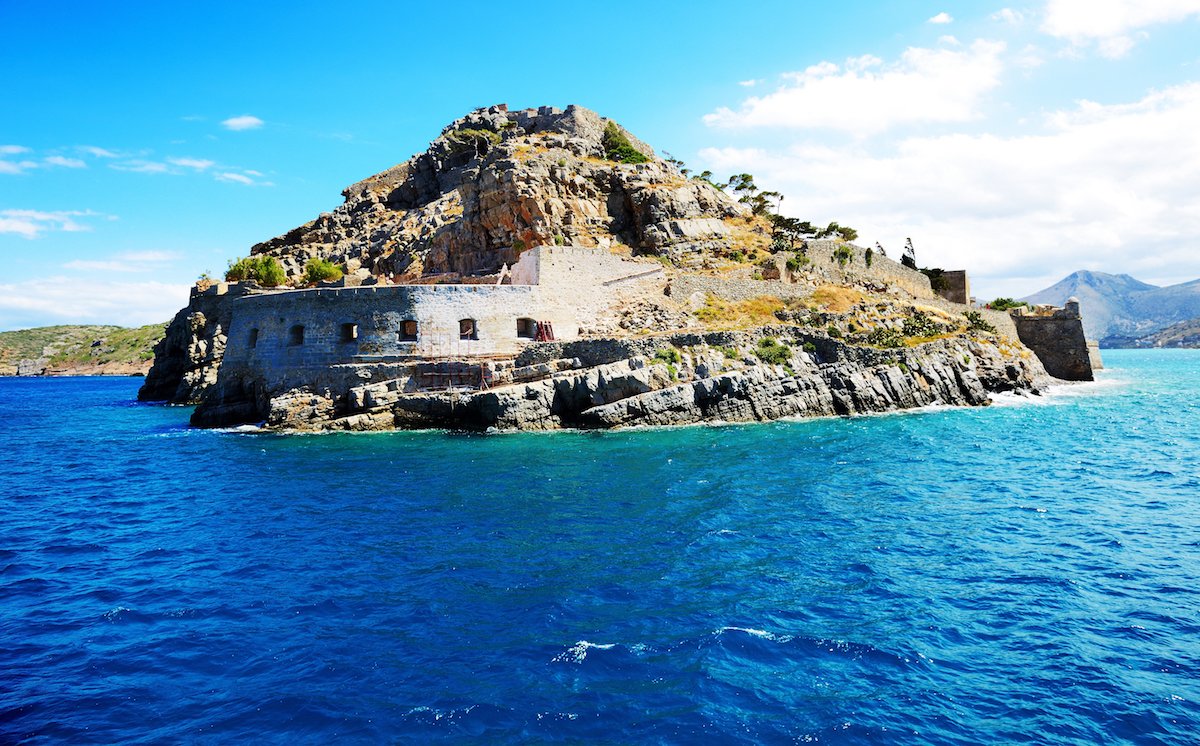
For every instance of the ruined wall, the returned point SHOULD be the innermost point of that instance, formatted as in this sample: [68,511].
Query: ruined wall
[854,267]
[1058,341]
[571,267]
[361,324]
[958,287]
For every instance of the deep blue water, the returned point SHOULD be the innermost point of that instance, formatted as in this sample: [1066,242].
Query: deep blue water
[1024,572]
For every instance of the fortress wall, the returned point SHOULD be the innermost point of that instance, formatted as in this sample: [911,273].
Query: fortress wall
[379,313]
[1058,341]
[568,267]
[958,287]
[571,295]
[881,270]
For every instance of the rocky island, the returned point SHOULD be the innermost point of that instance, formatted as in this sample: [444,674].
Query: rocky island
[543,269]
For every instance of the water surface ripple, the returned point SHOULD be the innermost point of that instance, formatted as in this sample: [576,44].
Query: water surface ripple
[1025,572]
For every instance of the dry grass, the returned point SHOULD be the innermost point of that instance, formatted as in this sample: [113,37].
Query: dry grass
[836,299]
[725,314]
[751,235]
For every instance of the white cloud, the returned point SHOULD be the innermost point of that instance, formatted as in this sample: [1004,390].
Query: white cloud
[244,122]
[749,83]
[126,262]
[197,163]
[866,96]
[58,160]
[88,300]
[1110,188]
[942,17]
[33,223]
[249,178]
[1008,15]
[1112,24]
[16,167]
[141,167]
[92,150]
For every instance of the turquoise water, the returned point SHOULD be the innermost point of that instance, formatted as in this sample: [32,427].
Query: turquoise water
[1024,572]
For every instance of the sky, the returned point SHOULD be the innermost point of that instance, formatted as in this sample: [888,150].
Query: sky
[144,143]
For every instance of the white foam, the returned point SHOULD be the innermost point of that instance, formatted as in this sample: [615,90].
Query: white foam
[577,653]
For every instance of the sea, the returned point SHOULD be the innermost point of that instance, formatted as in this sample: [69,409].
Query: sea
[1024,572]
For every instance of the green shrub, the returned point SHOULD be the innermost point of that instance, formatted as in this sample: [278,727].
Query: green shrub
[976,323]
[843,254]
[869,256]
[1003,304]
[668,355]
[937,279]
[883,337]
[618,148]
[809,347]
[796,261]
[519,246]
[772,351]
[834,332]
[920,325]
[321,270]
[730,353]
[262,269]
[559,240]
[738,256]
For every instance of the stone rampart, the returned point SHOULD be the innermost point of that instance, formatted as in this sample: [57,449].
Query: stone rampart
[1056,337]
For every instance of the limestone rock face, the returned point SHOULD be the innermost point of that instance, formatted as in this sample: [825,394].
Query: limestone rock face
[495,182]
[717,377]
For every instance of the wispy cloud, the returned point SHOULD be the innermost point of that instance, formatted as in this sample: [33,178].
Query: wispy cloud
[141,166]
[925,85]
[58,160]
[244,122]
[33,223]
[1114,26]
[248,178]
[14,166]
[65,299]
[125,262]
[198,164]
[1008,15]
[942,17]
[96,152]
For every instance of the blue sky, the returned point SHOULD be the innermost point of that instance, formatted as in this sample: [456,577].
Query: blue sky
[144,143]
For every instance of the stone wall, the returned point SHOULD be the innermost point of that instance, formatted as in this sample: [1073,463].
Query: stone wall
[851,268]
[289,331]
[1058,341]
[958,287]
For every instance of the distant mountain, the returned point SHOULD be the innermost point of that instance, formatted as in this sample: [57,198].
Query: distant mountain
[1119,310]
[1183,334]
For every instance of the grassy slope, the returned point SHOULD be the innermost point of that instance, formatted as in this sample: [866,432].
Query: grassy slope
[74,346]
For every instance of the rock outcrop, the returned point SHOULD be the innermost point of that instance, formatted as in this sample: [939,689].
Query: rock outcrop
[188,357]
[664,380]
[498,181]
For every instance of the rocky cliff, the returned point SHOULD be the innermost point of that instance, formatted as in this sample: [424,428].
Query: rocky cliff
[496,182]
[732,376]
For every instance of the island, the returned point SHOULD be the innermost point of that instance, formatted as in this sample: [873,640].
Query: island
[543,269]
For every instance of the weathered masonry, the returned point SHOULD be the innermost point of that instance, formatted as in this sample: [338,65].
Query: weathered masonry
[1056,336]
[554,290]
